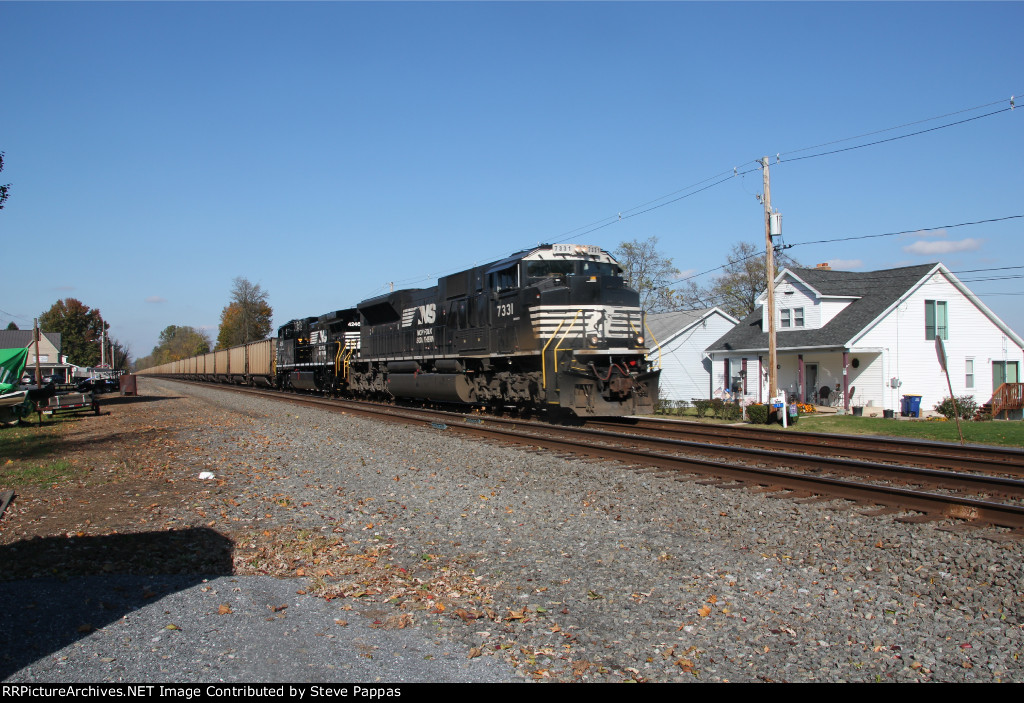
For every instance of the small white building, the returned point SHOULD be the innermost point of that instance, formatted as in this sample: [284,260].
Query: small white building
[679,341]
[868,338]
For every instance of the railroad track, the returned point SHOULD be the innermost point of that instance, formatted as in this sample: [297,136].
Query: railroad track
[911,452]
[981,497]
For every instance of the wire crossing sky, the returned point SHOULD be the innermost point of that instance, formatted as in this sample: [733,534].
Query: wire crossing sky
[326,150]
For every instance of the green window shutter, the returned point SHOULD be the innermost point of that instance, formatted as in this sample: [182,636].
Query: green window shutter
[941,319]
[936,319]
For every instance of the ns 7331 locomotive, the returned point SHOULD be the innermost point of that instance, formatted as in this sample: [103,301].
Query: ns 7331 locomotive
[550,328]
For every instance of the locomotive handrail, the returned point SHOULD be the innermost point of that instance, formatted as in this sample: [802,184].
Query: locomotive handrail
[544,353]
[544,358]
[648,328]
[562,339]
[346,362]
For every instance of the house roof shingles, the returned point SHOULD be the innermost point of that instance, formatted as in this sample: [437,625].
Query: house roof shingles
[21,339]
[665,325]
[875,291]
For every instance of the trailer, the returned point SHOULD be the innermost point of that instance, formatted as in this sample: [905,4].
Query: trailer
[71,403]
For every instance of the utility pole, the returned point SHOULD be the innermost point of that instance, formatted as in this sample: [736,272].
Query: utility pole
[35,333]
[773,385]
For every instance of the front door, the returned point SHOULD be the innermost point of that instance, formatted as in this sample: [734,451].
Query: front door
[810,383]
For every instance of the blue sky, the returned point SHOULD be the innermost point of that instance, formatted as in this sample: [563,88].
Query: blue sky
[323,150]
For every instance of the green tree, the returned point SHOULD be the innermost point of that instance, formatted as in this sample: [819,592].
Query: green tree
[11,325]
[247,317]
[176,343]
[79,326]
[650,274]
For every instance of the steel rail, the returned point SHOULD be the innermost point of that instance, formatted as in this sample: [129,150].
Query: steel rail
[561,439]
[916,452]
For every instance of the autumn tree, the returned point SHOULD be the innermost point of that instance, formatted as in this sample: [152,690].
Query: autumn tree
[247,317]
[79,327]
[743,278]
[650,274]
[179,342]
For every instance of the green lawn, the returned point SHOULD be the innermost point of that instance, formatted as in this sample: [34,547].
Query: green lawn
[28,455]
[999,432]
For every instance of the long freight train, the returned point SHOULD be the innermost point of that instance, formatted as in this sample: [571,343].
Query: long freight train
[550,328]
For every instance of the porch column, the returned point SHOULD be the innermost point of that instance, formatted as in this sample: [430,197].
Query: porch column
[743,375]
[846,380]
[760,379]
[800,379]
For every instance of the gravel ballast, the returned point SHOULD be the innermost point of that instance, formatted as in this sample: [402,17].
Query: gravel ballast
[470,561]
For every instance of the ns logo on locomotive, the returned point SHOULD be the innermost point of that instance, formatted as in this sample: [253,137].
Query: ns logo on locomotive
[550,328]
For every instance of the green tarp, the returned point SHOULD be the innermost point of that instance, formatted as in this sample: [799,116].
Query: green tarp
[12,363]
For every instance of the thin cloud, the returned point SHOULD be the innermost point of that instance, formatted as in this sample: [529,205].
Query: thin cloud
[845,264]
[944,247]
[926,234]
[156,299]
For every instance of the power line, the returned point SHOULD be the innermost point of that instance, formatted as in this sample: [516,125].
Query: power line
[906,231]
[643,208]
[893,139]
[906,124]
[864,236]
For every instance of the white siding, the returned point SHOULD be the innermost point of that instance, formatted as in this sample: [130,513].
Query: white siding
[791,294]
[685,373]
[912,358]
[830,308]
[755,391]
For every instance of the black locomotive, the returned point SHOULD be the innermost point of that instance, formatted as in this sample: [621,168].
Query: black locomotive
[552,327]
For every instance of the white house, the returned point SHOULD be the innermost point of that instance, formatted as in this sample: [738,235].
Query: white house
[679,341]
[868,338]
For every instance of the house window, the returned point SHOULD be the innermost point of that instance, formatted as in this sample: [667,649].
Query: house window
[785,318]
[936,321]
[798,317]
[969,373]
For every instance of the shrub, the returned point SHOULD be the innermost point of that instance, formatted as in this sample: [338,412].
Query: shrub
[966,407]
[757,414]
[716,407]
[731,411]
[681,406]
[701,406]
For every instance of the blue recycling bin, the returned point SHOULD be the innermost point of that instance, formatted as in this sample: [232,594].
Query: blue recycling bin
[910,406]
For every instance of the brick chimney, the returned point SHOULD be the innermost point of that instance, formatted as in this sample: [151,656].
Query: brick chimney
[823,267]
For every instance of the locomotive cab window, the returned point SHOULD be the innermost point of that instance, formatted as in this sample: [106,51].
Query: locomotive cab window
[505,279]
[545,269]
[598,268]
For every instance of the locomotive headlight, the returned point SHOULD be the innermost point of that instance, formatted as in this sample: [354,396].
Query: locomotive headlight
[640,340]
[593,340]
